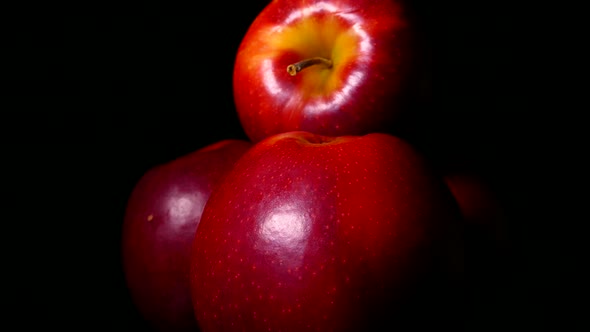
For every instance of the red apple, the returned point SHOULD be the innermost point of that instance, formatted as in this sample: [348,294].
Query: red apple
[318,233]
[163,212]
[327,67]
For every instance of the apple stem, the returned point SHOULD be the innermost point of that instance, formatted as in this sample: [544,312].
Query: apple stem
[293,69]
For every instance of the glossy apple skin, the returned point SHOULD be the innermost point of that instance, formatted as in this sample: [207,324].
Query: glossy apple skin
[313,233]
[370,43]
[162,214]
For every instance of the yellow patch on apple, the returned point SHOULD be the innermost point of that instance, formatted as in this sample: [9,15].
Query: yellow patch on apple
[327,36]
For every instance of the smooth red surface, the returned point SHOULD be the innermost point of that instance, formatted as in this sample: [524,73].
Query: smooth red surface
[162,215]
[312,233]
[369,42]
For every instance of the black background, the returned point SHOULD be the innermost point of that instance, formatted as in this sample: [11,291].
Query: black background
[98,95]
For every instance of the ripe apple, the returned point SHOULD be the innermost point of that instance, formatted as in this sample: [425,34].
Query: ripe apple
[327,67]
[162,214]
[322,233]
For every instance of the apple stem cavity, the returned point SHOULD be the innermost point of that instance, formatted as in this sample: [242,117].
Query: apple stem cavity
[293,69]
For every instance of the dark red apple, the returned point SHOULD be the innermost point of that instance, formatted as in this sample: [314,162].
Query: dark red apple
[335,67]
[163,212]
[318,233]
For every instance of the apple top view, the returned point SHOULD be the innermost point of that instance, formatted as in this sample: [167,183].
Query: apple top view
[327,67]
[322,218]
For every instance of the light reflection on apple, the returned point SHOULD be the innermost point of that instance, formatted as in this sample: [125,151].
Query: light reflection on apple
[365,41]
[353,80]
[308,11]
[285,233]
[270,81]
[184,207]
